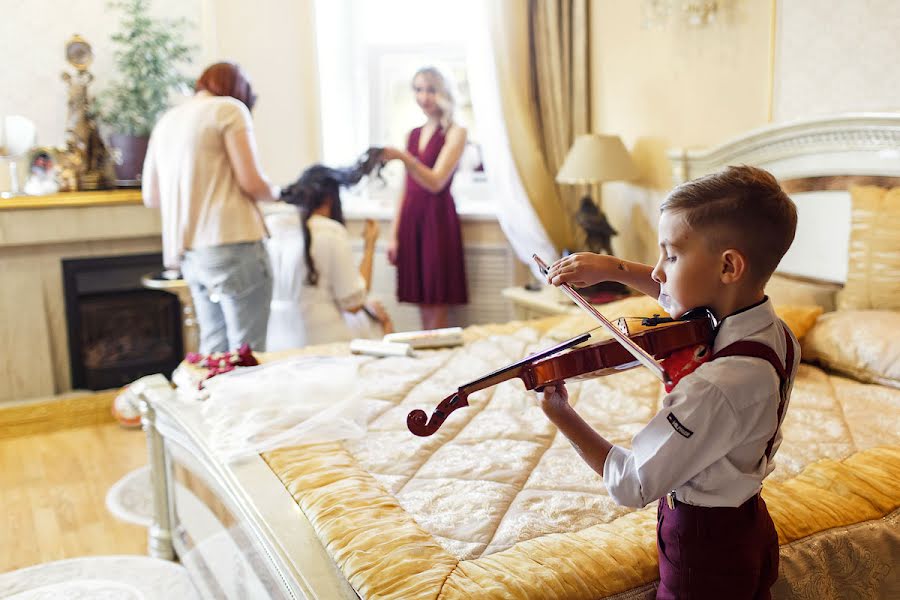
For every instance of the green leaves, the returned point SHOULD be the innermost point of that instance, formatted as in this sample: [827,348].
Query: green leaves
[148,54]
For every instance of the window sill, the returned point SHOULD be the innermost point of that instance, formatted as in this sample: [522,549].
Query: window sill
[473,203]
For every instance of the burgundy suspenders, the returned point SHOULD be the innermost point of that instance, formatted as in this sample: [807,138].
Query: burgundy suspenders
[759,350]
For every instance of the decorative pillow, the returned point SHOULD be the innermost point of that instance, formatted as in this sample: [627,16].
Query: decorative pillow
[873,274]
[860,343]
[799,319]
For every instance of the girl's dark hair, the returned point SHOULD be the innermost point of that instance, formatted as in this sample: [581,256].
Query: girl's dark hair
[320,184]
[227,79]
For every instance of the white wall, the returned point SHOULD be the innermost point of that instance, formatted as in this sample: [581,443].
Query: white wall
[692,88]
[272,39]
[32,50]
[835,56]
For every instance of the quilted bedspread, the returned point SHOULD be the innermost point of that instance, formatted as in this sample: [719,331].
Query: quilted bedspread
[497,504]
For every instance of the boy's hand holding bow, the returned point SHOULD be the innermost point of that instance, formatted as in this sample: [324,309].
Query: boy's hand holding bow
[584,268]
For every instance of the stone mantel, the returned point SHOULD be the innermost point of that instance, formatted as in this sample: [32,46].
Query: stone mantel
[36,234]
[72,199]
[74,218]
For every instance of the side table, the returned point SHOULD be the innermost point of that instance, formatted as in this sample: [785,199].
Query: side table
[171,281]
[527,304]
[547,301]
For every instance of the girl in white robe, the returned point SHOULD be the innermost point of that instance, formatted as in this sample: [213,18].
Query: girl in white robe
[319,294]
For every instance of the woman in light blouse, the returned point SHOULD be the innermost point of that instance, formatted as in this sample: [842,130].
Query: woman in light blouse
[202,172]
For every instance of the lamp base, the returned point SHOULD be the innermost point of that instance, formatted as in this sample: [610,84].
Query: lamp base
[605,291]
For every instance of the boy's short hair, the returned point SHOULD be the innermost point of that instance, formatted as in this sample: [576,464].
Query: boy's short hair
[743,208]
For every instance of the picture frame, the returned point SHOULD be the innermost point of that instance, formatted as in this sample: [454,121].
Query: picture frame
[43,171]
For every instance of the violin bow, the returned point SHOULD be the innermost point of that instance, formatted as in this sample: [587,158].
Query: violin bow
[636,351]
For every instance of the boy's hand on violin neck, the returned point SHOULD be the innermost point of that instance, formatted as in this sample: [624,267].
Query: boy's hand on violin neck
[587,442]
[555,401]
[584,268]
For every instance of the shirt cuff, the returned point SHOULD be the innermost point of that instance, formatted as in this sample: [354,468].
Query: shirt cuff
[620,478]
[615,464]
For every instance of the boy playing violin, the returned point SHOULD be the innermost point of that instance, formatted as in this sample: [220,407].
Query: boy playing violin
[705,454]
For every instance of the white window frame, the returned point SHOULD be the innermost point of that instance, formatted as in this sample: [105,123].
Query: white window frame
[352,97]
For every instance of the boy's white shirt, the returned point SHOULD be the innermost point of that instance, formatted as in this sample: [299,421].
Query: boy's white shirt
[726,412]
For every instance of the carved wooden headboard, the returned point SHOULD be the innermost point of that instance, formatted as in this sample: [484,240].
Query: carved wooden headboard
[816,160]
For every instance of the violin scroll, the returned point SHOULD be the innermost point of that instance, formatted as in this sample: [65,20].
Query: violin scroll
[419,424]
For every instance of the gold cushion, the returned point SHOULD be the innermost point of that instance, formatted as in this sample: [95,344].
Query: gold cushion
[873,275]
[860,343]
[799,319]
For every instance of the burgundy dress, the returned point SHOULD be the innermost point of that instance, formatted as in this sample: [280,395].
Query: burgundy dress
[430,266]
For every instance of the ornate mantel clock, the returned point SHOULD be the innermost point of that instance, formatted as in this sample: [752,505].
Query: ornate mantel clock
[85,162]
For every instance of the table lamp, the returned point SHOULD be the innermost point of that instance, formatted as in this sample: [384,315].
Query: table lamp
[592,160]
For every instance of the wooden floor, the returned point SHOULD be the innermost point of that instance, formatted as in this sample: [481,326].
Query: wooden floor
[52,491]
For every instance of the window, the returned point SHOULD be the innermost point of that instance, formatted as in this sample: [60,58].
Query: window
[368,52]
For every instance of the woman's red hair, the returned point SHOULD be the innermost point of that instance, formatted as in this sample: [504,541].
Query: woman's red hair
[227,79]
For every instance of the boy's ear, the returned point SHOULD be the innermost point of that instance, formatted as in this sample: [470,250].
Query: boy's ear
[734,266]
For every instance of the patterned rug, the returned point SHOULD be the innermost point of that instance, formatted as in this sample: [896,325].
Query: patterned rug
[131,498]
[100,578]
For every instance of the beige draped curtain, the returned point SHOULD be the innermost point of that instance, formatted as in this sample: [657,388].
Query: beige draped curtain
[541,50]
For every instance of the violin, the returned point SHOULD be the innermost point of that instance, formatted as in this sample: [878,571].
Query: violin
[661,338]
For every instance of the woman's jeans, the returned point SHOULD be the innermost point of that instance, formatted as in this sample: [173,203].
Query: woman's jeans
[231,286]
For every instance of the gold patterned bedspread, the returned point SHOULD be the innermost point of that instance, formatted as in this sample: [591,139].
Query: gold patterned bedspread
[497,504]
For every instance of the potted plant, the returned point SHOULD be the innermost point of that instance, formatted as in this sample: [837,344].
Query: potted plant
[148,54]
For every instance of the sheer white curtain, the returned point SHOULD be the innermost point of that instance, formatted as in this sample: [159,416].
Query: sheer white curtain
[517,218]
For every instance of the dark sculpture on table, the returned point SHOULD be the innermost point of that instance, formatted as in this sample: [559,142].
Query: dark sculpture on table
[598,236]
[596,227]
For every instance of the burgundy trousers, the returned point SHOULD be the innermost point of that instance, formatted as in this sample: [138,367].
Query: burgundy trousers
[716,553]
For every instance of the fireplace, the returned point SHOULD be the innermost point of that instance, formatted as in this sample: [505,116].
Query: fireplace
[118,331]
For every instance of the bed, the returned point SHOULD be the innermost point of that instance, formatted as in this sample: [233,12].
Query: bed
[496,504]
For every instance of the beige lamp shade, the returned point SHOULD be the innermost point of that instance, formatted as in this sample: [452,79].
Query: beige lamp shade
[595,158]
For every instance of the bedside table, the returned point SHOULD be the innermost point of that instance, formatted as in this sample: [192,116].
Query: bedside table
[545,302]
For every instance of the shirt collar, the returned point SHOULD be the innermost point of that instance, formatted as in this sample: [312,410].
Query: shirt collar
[744,323]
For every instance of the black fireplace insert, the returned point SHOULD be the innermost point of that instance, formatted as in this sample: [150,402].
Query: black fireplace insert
[118,331]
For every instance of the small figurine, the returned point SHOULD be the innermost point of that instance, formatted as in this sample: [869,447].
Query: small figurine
[599,231]
[42,180]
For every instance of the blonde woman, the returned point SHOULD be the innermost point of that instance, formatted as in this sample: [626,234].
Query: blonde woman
[427,241]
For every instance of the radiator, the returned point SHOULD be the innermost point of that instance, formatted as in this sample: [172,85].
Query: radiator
[489,269]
